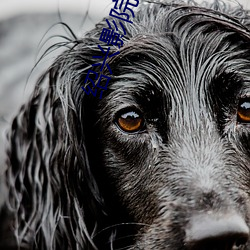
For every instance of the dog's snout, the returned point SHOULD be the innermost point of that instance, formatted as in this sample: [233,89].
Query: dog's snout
[217,232]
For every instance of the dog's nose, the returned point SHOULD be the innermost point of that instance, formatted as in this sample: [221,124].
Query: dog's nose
[217,232]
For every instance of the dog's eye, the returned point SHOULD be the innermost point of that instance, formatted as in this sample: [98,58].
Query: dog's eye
[130,121]
[243,113]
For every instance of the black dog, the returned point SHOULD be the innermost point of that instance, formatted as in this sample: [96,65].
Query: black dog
[160,162]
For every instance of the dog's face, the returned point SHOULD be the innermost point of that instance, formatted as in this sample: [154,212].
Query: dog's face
[174,132]
[160,162]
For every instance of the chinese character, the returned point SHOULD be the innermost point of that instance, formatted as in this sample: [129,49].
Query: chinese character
[105,58]
[125,16]
[89,90]
[110,37]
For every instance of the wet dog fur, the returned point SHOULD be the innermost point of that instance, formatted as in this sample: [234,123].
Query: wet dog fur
[76,180]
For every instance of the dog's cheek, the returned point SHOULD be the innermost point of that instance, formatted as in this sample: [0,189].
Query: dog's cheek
[131,172]
[244,139]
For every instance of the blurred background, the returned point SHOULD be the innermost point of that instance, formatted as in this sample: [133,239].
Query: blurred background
[25,26]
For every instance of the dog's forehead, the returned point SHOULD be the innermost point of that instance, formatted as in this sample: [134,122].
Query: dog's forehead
[184,49]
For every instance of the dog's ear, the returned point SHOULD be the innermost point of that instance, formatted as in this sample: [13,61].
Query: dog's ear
[51,186]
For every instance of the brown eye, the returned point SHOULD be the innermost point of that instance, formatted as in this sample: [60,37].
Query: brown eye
[243,113]
[130,121]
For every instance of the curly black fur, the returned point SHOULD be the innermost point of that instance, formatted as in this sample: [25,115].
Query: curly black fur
[76,181]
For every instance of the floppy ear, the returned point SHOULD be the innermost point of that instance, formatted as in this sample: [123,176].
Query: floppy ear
[51,186]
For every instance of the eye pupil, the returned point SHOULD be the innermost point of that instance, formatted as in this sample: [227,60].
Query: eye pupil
[130,121]
[243,113]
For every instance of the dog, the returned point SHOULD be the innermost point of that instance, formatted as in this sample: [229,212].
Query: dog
[160,162]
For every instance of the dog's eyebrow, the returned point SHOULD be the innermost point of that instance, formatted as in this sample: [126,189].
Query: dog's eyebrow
[227,81]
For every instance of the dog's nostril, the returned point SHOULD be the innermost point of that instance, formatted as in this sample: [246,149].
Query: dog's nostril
[240,242]
[217,232]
